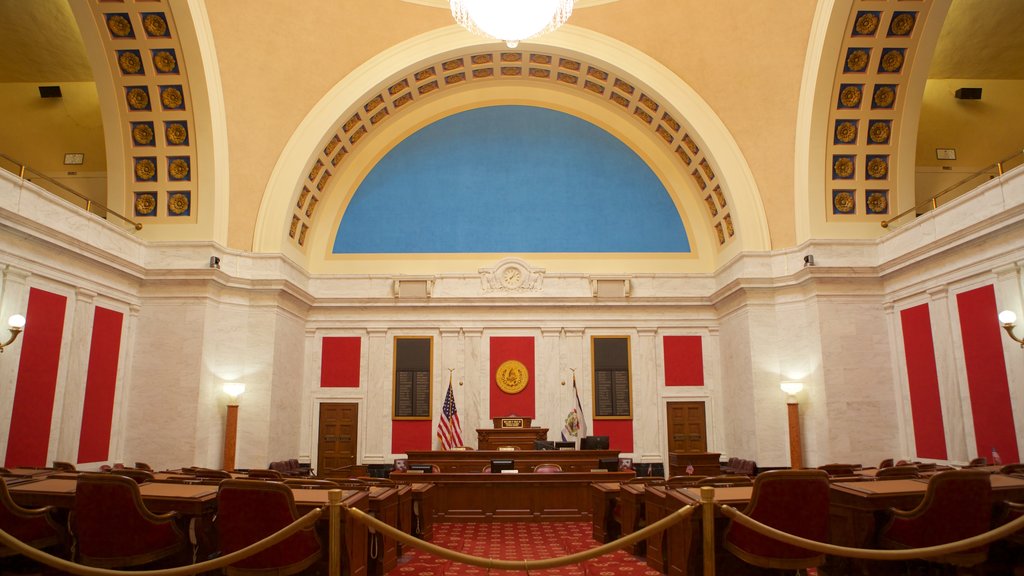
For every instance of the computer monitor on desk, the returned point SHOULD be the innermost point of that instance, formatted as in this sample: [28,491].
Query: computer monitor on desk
[565,445]
[423,468]
[608,464]
[499,466]
[543,445]
[594,443]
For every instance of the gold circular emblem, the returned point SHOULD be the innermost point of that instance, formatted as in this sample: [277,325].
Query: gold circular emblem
[884,97]
[892,61]
[178,169]
[857,60]
[878,168]
[902,24]
[177,203]
[850,96]
[129,62]
[879,132]
[142,134]
[843,167]
[164,61]
[171,97]
[176,133]
[846,132]
[843,202]
[866,24]
[154,25]
[877,203]
[145,169]
[512,377]
[119,26]
[144,204]
[138,99]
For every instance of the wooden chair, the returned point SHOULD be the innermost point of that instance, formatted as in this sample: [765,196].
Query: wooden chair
[726,480]
[980,461]
[139,476]
[33,526]
[211,473]
[547,468]
[63,466]
[885,463]
[955,506]
[143,466]
[897,473]
[257,474]
[839,469]
[794,501]
[249,511]
[115,529]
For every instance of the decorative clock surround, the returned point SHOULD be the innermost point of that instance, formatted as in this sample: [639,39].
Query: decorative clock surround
[512,275]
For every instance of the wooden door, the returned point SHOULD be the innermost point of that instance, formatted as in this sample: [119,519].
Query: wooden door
[687,427]
[339,428]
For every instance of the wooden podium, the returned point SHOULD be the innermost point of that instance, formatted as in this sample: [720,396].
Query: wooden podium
[510,431]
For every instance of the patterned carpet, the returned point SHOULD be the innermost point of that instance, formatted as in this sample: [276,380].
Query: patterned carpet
[519,541]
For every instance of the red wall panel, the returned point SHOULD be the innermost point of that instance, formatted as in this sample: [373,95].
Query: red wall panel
[619,433]
[684,361]
[986,373]
[36,385]
[410,435]
[522,403]
[100,385]
[339,363]
[923,381]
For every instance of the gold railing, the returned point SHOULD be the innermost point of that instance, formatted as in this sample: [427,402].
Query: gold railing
[90,205]
[969,183]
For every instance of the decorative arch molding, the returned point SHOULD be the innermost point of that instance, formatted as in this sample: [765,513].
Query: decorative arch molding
[860,103]
[716,185]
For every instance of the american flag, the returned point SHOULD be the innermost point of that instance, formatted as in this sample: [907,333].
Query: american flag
[449,430]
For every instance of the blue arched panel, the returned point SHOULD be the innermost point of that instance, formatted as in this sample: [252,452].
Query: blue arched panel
[510,179]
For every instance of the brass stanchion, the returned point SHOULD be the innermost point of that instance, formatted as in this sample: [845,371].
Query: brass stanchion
[707,506]
[334,520]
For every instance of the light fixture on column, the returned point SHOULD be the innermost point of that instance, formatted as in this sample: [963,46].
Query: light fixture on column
[234,390]
[1009,321]
[511,20]
[793,408]
[16,323]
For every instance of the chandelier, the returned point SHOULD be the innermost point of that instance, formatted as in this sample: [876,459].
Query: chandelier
[511,20]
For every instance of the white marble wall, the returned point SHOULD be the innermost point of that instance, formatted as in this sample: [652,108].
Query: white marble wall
[763,318]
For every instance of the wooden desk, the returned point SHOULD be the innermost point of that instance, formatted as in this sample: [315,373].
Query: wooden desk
[384,506]
[354,535]
[655,509]
[631,513]
[526,497]
[522,438]
[423,510]
[473,461]
[684,541]
[605,497]
[704,463]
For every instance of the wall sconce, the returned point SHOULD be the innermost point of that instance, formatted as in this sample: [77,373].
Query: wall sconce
[233,389]
[1009,321]
[791,389]
[16,323]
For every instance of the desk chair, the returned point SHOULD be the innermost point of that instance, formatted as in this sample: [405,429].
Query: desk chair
[211,473]
[726,480]
[257,474]
[63,466]
[139,476]
[839,469]
[898,473]
[794,501]
[955,506]
[143,466]
[547,468]
[980,461]
[249,511]
[1012,469]
[885,463]
[33,526]
[114,528]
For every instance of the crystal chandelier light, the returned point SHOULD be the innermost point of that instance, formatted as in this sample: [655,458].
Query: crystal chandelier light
[511,20]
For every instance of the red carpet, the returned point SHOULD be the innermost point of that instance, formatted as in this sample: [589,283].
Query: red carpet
[519,541]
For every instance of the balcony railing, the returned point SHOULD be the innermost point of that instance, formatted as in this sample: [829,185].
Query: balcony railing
[60,190]
[969,183]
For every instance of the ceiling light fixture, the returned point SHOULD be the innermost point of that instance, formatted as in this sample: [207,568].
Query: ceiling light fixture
[511,20]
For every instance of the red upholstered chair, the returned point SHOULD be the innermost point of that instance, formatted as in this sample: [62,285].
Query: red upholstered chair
[1017,468]
[211,473]
[980,461]
[33,526]
[885,463]
[898,473]
[114,528]
[547,468]
[257,474]
[249,511]
[794,501]
[63,466]
[143,466]
[957,505]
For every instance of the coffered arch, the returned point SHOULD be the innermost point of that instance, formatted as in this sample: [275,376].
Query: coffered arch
[575,71]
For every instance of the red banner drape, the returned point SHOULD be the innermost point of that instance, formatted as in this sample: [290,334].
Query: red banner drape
[504,348]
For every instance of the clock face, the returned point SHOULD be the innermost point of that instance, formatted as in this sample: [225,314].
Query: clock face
[512,277]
